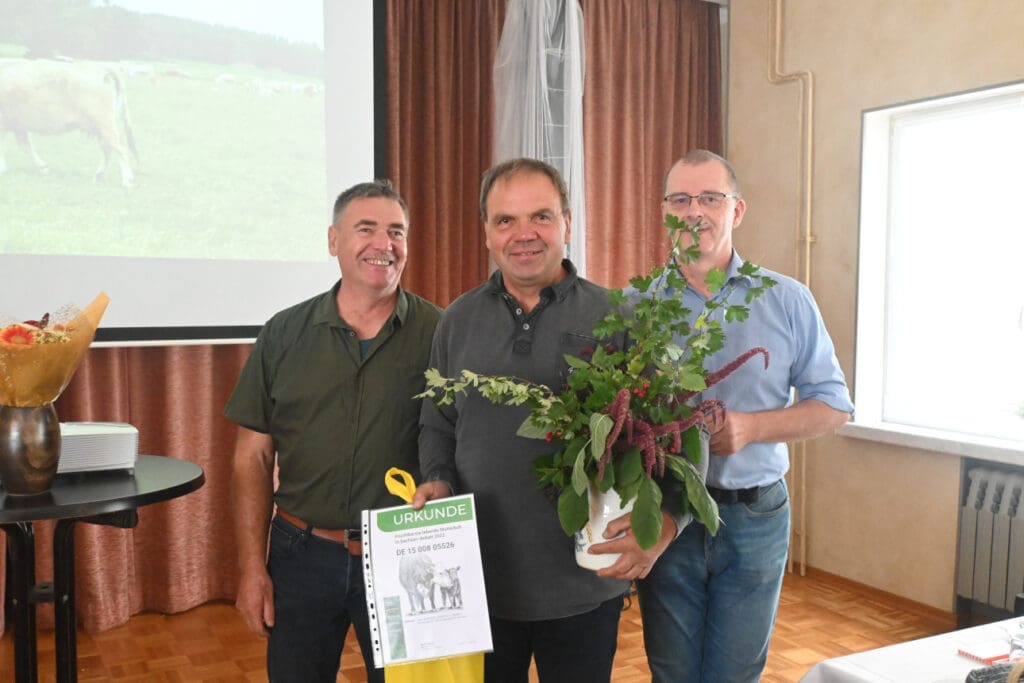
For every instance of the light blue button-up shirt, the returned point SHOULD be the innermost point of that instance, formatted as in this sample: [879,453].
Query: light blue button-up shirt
[786,321]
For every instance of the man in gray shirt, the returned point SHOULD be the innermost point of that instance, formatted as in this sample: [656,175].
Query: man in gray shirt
[532,311]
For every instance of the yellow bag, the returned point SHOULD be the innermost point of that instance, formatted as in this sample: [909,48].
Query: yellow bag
[462,669]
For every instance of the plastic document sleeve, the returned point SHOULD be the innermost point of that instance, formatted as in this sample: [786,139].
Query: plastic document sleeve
[424,582]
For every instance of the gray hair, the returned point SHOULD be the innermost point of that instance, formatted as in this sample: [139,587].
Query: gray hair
[381,187]
[696,157]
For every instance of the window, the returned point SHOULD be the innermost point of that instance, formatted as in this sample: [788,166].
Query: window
[940,316]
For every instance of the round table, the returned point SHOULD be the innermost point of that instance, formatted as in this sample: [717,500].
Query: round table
[110,498]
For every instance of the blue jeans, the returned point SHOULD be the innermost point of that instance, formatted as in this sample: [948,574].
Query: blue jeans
[318,593]
[709,603]
[576,649]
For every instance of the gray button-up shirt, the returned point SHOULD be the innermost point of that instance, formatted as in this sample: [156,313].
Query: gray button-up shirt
[529,562]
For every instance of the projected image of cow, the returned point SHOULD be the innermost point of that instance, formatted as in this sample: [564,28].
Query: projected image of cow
[48,97]
[429,586]
[213,117]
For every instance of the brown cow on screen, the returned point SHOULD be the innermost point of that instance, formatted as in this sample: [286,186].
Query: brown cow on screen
[42,96]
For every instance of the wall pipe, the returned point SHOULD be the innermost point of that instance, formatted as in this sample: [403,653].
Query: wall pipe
[805,237]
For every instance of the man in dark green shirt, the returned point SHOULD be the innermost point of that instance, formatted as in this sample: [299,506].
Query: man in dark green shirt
[325,395]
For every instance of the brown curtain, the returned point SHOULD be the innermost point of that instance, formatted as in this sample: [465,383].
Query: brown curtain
[652,92]
[440,54]
[182,553]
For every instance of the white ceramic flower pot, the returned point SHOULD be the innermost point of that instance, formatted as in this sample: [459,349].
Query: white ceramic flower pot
[604,507]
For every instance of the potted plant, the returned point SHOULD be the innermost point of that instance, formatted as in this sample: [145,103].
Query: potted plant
[628,421]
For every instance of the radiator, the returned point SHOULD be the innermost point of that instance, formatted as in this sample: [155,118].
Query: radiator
[990,570]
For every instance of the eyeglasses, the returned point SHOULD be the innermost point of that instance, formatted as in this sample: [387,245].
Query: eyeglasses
[707,200]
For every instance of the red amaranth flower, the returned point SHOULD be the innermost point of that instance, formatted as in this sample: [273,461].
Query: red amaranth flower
[619,412]
[717,376]
[17,335]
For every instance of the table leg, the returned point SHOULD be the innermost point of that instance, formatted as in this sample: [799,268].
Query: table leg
[21,557]
[64,601]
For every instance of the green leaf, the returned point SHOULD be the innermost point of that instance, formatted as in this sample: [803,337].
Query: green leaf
[573,511]
[692,445]
[749,269]
[673,351]
[674,464]
[737,313]
[607,481]
[576,361]
[532,430]
[704,507]
[579,472]
[646,518]
[691,381]
[629,467]
[715,279]
[600,427]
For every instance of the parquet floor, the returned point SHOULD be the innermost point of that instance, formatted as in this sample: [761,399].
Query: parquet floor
[820,616]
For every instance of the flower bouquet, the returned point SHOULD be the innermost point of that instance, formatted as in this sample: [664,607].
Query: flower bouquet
[630,419]
[37,360]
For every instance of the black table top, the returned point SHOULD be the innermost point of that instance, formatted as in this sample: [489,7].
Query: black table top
[83,494]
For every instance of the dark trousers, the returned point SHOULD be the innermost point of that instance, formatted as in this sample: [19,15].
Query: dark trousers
[577,649]
[318,593]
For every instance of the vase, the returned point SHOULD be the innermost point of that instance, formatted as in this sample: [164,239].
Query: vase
[607,505]
[604,507]
[29,449]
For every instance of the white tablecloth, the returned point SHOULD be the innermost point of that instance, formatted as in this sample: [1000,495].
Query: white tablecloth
[928,660]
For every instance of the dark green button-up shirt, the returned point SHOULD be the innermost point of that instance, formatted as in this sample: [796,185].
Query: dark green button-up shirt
[338,421]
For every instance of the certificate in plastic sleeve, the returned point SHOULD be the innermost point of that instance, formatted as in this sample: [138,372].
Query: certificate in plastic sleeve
[424,582]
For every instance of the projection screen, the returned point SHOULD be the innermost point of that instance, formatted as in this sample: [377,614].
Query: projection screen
[230,127]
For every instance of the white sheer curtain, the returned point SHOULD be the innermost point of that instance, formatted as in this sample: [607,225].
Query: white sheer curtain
[538,92]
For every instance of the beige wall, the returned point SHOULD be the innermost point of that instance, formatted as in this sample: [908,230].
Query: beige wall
[878,514]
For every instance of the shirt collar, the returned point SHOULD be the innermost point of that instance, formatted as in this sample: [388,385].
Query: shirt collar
[496,283]
[327,309]
[732,270]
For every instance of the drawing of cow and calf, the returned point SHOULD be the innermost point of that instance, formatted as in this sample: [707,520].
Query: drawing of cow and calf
[430,587]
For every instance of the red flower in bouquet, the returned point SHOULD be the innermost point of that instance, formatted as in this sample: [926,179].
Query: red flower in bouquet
[17,335]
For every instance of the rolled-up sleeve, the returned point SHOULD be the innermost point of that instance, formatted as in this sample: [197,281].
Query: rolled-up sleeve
[816,373]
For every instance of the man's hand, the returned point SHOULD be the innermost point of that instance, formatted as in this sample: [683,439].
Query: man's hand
[731,433]
[255,600]
[253,491]
[634,562]
[430,490]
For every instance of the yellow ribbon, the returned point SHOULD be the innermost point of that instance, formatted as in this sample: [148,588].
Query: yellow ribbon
[405,488]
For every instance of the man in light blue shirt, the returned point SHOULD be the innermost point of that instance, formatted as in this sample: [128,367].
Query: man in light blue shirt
[709,603]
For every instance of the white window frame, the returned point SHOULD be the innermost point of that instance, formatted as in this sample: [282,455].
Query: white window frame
[875,214]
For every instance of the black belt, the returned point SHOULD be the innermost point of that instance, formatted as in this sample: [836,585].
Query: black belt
[733,496]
